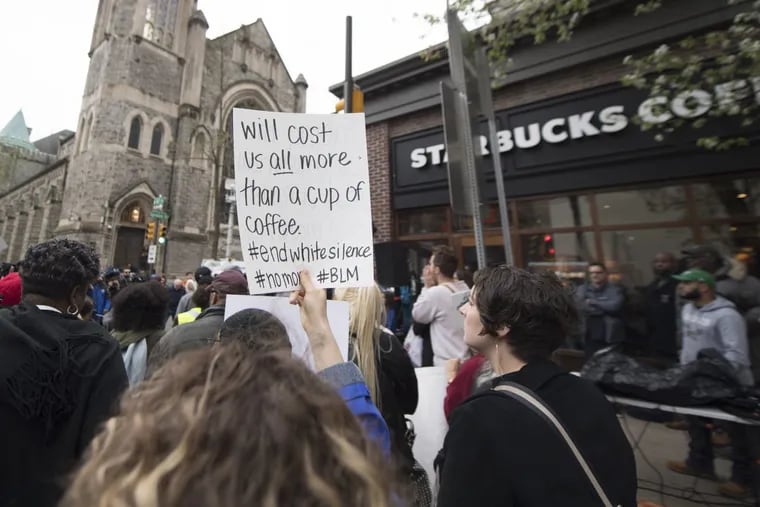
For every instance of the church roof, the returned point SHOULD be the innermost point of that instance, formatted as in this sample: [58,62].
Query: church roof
[16,132]
[51,143]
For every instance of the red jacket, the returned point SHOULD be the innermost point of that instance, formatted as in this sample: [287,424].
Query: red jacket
[460,388]
[10,289]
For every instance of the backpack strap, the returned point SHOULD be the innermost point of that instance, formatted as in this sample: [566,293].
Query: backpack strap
[532,401]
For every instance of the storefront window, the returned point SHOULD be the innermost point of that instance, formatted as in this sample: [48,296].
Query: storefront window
[737,240]
[571,211]
[663,204]
[566,253]
[422,221]
[490,216]
[728,198]
[494,256]
[629,254]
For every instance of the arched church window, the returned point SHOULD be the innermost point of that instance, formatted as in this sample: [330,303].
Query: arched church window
[135,129]
[133,213]
[80,135]
[156,139]
[199,150]
[87,134]
[161,16]
[148,30]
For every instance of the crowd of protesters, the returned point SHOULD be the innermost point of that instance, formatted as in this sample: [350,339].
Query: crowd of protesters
[121,390]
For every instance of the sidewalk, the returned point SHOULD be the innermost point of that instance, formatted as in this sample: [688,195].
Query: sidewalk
[659,445]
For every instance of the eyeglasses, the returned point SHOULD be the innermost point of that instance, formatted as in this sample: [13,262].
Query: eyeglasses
[596,272]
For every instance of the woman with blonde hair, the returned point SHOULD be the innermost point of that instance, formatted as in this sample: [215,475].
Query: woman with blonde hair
[226,426]
[386,367]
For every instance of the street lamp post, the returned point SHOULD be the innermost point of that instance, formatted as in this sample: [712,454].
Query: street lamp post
[229,198]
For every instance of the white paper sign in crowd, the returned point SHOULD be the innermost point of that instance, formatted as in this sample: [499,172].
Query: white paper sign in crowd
[303,200]
[280,307]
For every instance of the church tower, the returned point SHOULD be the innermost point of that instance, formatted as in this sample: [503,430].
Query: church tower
[155,121]
[125,151]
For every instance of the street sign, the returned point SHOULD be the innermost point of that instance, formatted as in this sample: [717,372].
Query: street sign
[159,215]
[471,76]
[461,107]
[152,254]
[158,203]
[229,190]
[464,183]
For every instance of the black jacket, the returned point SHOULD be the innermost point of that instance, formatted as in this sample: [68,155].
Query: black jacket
[662,317]
[193,335]
[498,452]
[60,378]
[398,394]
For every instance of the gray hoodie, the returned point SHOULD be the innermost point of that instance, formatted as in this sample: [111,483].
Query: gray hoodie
[716,325]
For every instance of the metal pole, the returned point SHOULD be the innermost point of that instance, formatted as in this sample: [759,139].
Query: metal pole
[484,82]
[471,170]
[493,141]
[348,87]
[230,223]
[157,265]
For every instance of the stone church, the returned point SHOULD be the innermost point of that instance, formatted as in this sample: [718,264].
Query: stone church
[154,120]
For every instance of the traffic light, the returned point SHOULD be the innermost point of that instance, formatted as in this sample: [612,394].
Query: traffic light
[150,232]
[162,234]
[358,102]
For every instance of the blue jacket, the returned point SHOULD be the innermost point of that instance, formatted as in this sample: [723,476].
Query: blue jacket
[348,380]
[100,301]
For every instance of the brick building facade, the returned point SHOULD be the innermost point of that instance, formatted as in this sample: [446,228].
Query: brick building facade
[154,121]
[598,189]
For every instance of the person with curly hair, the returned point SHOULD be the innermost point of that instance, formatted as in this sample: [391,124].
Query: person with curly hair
[139,311]
[60,376]
[229,426]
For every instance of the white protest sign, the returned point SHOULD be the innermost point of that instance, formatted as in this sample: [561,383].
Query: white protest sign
[280,307]
[303,199]
[429,420]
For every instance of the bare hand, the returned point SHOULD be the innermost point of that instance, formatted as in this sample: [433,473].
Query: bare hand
[312,302]
[428,278]
[452,368]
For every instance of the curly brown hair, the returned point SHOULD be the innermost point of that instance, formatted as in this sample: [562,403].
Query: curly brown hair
[226,427]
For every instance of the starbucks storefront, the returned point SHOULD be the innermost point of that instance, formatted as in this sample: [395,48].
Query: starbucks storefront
[585,183]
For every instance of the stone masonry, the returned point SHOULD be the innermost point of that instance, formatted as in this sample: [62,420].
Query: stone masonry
[154,121]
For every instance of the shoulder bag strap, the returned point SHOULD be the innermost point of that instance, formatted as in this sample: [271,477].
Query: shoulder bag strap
[529,399]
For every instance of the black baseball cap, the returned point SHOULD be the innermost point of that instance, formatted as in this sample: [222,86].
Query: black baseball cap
[201,272]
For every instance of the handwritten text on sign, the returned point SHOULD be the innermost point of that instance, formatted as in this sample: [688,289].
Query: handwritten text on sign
[303,199]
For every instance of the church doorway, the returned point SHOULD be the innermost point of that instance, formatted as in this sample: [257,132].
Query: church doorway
[130,249]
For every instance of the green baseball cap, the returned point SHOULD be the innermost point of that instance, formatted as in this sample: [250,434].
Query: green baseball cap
[696,275]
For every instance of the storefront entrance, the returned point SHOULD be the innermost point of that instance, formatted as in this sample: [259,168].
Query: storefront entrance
[623,227]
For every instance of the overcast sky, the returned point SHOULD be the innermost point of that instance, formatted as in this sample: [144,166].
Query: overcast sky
[45,44]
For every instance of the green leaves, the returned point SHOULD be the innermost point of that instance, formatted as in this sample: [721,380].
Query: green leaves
[696,62]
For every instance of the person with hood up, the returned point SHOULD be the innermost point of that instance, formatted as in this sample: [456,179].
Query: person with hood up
[710,321]
[60,376]
[202,331]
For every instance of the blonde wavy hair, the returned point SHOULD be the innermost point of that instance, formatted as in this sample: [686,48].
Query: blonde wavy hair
[224,427]
[366,316]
